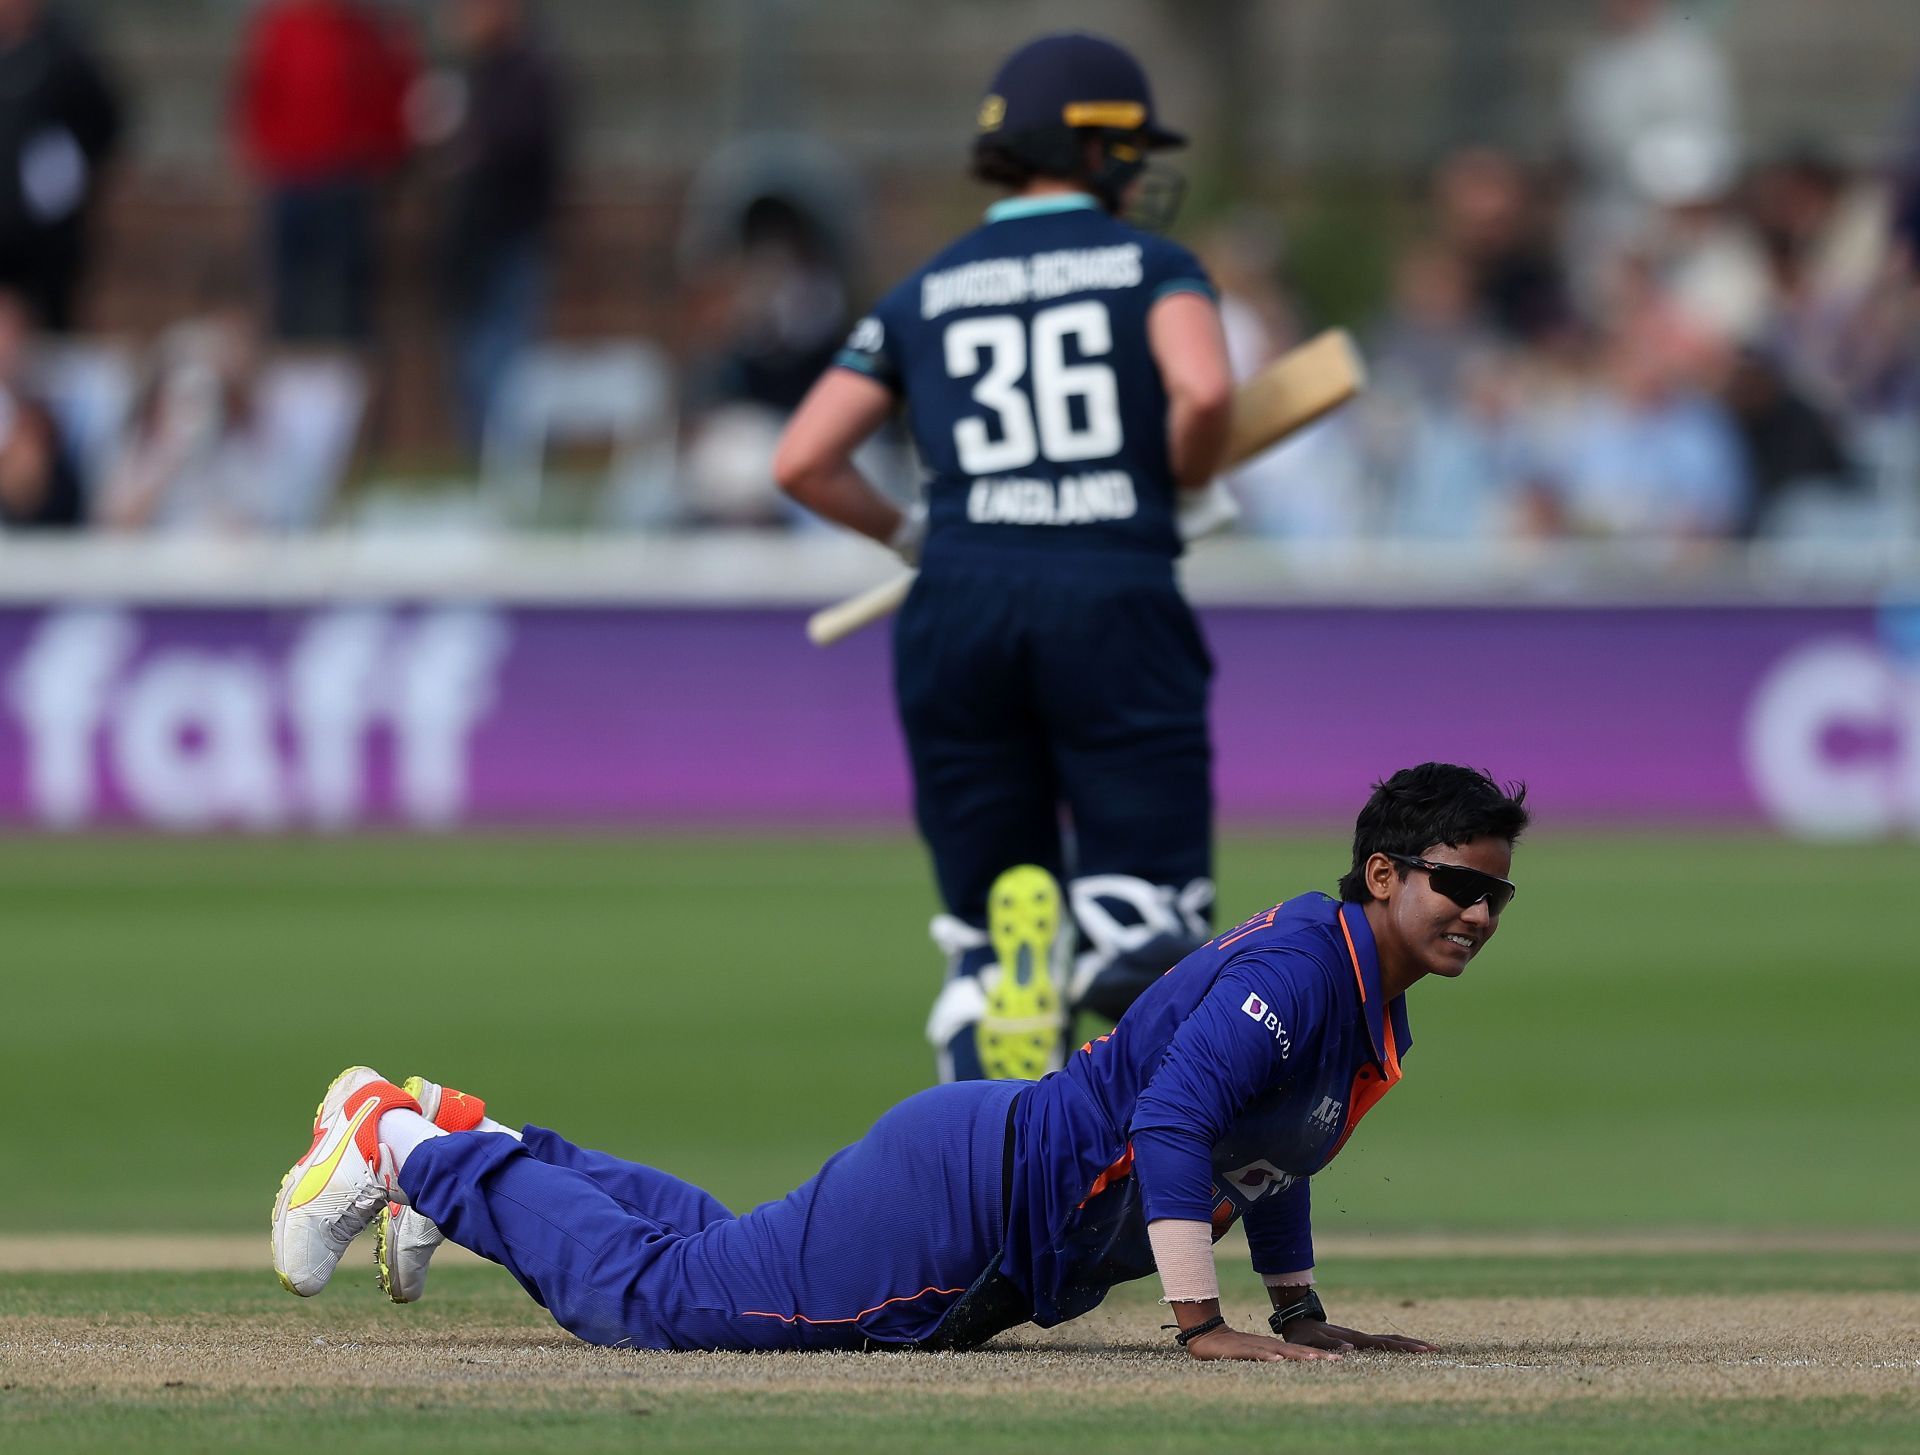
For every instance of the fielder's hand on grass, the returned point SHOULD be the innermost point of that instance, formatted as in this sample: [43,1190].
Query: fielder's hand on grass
[1313,1334]
[1232,1344]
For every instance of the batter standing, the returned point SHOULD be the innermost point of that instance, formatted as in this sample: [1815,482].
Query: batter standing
[1065,379]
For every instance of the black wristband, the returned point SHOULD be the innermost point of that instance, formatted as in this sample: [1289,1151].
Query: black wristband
[1184,1337]
[1307,1306]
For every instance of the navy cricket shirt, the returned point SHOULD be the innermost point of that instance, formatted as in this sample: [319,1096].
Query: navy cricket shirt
[1031,390]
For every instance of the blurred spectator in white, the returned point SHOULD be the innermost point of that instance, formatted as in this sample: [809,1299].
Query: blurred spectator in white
[500,128]
[59,120]
[1491,215]
[1244,256]
[319,111]
[1645,453]
[1835,224]
[1872,360]
[728,462]
[1313,487]
[1422,432]
[1652,121]
[225,441]
[1432,329]
[1829,247]
[1711,262]
[772,295]
[1634,303]
[39,485]
[1467,472]
[193,458]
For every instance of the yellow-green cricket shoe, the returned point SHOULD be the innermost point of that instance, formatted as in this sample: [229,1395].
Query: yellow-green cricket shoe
[1019,1036]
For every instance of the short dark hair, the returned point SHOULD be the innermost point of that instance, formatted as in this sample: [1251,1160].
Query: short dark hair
[1435,803]
[1013,161]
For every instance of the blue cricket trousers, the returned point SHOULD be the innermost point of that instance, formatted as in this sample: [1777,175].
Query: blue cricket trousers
[872,1250]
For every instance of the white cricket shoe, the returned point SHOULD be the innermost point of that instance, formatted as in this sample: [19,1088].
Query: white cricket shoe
[346,1178]
[404,1240]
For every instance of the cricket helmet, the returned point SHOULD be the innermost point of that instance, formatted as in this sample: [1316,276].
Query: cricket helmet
[1053,93]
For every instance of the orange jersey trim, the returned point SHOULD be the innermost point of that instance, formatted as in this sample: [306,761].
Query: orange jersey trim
[1253,926]
[1353,957]
[1369,1085]
[750,1313]
[1362,1097]
[1121,1168]
[1224,1214]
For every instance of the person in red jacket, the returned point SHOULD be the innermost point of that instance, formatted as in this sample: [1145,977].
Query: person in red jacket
[320,114]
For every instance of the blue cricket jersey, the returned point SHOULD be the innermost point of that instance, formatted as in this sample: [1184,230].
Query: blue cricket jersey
[1031,391]
[1236,1077]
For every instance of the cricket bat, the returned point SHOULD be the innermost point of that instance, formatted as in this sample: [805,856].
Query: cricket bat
[1299,387]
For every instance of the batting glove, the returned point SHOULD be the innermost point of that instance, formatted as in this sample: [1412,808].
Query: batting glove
[912,534]
[1206,512]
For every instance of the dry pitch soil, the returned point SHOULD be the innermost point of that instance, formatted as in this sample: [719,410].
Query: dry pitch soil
[1513,1352]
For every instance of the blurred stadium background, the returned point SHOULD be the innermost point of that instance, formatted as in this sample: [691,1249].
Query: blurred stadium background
[387,507]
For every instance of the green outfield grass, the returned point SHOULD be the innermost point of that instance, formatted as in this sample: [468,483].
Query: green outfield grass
[1671,1030]
[898,1403]
[958,1423]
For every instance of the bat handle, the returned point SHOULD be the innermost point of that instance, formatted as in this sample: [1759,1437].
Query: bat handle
[830,624]
[1213,511]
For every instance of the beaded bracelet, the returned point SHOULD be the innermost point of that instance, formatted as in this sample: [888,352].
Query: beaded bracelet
[1184,1337]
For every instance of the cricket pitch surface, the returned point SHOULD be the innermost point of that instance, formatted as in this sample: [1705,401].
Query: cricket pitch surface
[1575,1343]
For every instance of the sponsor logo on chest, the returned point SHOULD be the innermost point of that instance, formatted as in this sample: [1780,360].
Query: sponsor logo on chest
[1255,1180]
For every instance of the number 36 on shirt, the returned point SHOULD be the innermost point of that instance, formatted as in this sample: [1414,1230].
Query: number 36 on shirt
[1039,420]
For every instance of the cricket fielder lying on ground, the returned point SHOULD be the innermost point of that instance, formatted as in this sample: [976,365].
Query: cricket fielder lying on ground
[976,1206]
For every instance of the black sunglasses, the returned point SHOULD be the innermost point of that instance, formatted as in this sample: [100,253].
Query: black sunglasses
[1465,887]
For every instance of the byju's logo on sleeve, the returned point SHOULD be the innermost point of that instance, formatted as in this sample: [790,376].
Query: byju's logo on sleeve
[1260,1012]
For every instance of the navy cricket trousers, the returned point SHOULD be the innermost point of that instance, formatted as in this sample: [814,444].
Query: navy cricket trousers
[873,1249]
[1075,682]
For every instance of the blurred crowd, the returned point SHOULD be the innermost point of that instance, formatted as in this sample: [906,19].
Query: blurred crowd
[244,416]
[1656,335]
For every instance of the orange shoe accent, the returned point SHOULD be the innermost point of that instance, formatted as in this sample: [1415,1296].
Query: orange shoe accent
[386,1097]
[459,1112]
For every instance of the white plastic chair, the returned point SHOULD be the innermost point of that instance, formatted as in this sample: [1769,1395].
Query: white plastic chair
[89,385]
[617,394]
[310,412]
